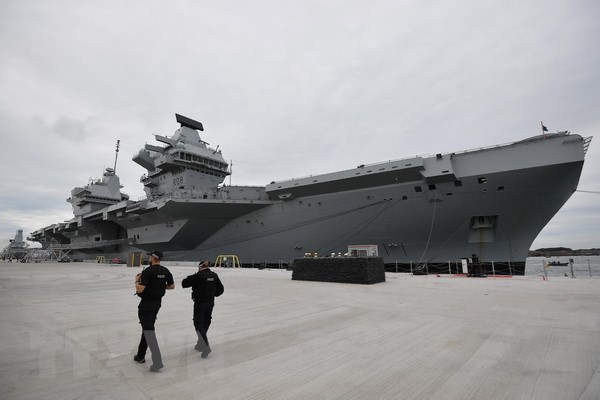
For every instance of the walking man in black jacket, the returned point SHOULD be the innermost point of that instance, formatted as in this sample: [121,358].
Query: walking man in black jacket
[150,286]
[205,285]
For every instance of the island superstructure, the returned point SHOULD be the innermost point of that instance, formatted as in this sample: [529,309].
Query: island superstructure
[491,202]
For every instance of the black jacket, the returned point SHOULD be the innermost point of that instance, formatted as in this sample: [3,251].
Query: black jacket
[205,285]
[155,278]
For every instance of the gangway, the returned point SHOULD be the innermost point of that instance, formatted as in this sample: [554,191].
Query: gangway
[90,245]
[36,255]
[60,252]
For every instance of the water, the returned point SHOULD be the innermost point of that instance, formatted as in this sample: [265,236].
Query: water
[533,266]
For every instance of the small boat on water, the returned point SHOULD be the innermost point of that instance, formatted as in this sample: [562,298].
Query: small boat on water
[558,263]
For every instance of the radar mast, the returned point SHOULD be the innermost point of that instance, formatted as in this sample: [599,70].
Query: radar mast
[116,156]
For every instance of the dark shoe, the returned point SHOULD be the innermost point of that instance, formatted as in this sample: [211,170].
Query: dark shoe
[155,367]
[198,347]
[206,352]
[140,359]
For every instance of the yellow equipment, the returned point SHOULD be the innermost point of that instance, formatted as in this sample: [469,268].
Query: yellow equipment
[223,261]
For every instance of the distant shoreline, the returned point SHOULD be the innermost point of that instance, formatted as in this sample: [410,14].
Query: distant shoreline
[563,251]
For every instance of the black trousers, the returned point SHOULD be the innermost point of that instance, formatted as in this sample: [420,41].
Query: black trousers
[202,318]
[147,313]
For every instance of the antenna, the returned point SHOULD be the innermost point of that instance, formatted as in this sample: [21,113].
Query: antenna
[116,156]
[188,122]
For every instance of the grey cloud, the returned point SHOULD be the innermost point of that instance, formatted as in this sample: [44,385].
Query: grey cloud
[69,128]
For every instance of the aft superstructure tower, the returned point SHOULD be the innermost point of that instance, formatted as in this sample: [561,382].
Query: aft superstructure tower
[90,231]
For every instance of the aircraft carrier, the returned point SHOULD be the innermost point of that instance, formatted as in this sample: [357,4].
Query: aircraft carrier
[427,210]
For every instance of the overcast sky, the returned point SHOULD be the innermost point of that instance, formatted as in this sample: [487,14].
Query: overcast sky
[288,89]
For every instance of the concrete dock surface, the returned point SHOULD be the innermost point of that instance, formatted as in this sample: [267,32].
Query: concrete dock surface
[69,331]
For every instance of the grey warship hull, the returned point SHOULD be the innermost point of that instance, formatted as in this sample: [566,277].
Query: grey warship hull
[516,204]
[491,202]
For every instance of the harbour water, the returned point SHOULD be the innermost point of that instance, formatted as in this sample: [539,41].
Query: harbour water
[583,266]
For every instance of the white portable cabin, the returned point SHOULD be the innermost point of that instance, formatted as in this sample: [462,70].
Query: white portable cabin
[363,250]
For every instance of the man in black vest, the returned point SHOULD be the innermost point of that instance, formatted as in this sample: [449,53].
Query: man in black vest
[205,285]
[150,285]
